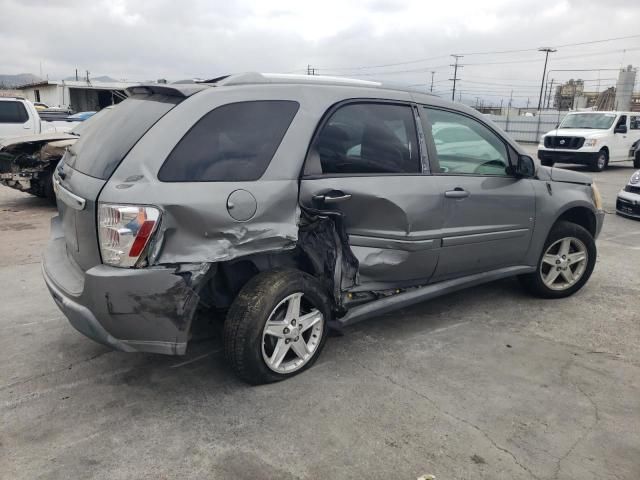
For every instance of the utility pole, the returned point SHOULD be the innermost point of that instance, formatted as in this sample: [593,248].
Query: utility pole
[311,70]
[527,103]
[547,50]
[455,75]
[550,93]
[501,100]
[432,74]
[509,111]
[477,102]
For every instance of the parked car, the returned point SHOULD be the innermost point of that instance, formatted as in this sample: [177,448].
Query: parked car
[628,201]
[295,204]
[27,162]
[592,138]
[80,116]
[18,117]
[55,114]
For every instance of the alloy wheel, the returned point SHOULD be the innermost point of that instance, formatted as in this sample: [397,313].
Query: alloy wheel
[564,263]
[292,334]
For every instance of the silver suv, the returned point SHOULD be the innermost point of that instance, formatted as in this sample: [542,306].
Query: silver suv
[295,204]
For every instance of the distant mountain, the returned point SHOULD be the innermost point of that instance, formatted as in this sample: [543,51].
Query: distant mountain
[103,78]
[11,81]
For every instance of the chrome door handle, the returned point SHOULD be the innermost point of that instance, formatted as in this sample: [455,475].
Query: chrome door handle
[456,193]
[332,197]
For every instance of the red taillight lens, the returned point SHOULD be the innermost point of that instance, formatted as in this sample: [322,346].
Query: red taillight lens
[142,238]
[124,232]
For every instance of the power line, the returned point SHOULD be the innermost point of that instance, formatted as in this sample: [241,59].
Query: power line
[497,52]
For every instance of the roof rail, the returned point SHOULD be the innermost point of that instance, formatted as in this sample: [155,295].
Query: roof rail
[261,78]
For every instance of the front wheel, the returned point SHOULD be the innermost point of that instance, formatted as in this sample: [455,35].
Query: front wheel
[601,161]
[566,262]
[277,326]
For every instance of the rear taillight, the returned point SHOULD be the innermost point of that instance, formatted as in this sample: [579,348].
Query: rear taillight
[124,232]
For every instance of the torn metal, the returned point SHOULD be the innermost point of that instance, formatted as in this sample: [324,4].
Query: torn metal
[26,164]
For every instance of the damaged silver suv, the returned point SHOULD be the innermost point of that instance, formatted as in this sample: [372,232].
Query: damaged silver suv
[295,204]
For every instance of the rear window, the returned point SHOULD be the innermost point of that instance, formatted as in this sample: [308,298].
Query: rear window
[234,142]
[13,112]
[108,138]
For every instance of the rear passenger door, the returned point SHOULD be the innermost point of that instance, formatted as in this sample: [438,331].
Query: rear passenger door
[366,162]
[488,213]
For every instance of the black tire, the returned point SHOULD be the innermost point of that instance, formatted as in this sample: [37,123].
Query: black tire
[547,163]
[636,160]
[534,283]
[600,162]
[246,319]
[47,188]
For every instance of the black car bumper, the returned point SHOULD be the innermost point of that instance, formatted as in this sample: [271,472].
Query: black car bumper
[628,205]
[557,156]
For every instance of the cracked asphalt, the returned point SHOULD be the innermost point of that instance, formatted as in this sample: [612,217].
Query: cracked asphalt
[487,383]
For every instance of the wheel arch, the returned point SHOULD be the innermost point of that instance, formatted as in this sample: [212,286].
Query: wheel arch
[580,215]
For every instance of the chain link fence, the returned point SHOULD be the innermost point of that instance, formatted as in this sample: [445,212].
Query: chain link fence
[528,129]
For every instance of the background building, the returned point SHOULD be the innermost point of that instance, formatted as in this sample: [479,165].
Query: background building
[78,95]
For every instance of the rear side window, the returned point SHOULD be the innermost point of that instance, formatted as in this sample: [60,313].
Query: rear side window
[234,142]
[13,112]
[108,139]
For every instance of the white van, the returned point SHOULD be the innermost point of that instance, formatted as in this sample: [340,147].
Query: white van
[592,138]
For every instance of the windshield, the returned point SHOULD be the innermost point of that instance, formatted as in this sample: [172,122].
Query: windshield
[598,121]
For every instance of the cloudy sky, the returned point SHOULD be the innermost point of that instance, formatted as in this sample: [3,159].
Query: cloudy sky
[401,41]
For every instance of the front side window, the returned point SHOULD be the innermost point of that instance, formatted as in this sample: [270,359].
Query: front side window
[622,122]
[368,138]
[13,112]
[464,146]
[234,142]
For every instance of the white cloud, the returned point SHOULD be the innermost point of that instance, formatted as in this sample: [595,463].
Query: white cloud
[148,39]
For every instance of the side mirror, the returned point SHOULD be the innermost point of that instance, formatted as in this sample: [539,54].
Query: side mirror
[620,129]
[526,167]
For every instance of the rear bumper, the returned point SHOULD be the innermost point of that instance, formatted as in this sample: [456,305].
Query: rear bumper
[567,156]
[132,310]
[628,204]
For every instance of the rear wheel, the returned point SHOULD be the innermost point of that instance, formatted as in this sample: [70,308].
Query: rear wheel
[566,262]
[276,327]
[601,161]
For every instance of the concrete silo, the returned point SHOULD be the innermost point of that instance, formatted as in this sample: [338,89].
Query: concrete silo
[624,88]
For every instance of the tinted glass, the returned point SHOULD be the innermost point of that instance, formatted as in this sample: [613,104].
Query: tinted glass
[13,112]
[634,122]
[369,138]
[108,138]
[234,142]
[465,146]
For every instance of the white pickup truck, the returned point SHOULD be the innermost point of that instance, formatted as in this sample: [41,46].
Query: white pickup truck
[19,117]
[592,138]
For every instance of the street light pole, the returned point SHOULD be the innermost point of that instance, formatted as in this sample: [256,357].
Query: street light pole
[547,50]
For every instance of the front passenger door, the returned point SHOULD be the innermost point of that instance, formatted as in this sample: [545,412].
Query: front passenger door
[488,213]
[366,163]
